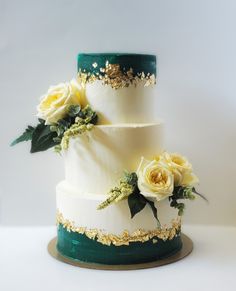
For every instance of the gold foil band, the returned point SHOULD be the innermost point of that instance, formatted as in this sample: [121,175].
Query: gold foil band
[112,75]
[125,238]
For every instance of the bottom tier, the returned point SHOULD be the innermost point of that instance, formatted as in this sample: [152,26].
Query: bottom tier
[79,247]
[110,236]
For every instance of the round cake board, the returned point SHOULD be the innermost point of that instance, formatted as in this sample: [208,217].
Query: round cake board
[185,251]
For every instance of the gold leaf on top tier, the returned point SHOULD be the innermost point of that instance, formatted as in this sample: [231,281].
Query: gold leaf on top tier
[140,235]
[113,75]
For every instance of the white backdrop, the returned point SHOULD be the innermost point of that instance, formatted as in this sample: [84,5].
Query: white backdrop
[195,43]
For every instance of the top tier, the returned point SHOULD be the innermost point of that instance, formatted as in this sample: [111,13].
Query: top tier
[119,86]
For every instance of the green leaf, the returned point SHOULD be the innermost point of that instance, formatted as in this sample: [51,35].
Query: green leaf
[41,120]
[153,208]
[178,192]
[42,138]
[136,203]
[27,135]
[199,194]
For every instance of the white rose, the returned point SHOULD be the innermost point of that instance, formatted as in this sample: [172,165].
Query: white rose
[54,104]
[179,167]
[154,180]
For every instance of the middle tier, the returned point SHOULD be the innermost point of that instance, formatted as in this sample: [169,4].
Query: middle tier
[96,160]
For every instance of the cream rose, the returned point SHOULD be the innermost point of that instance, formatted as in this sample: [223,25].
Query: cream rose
[154,180]
[54,104]
[180,167]
[189,179]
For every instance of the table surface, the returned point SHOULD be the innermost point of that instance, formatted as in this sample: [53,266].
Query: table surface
[26,265]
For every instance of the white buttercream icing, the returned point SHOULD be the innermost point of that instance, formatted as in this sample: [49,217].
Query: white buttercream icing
[133,104]
[96,160]
[82,210]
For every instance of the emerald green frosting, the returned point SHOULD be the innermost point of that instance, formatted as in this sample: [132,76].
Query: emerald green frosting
[79,247]
[140,63]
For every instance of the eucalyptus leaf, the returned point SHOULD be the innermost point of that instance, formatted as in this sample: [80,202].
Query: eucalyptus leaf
[74,110]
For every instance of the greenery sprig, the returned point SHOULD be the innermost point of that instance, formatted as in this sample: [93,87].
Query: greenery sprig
[84,121]
[128,189]
[183,193]
[44,136]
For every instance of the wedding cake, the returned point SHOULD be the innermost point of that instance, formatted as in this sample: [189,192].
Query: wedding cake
[122,198]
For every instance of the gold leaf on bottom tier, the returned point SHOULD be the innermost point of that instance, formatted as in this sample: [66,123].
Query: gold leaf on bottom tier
[139,235]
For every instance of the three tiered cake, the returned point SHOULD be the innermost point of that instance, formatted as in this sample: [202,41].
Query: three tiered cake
[122,198]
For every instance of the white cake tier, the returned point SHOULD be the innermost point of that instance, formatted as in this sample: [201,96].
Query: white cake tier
[82,211]
[96,160]
[133,104]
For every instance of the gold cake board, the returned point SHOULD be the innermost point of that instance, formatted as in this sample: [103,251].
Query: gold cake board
[185,251]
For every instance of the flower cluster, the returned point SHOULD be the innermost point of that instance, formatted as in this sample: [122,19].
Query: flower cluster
[62,113]
[169,175]
[159,177]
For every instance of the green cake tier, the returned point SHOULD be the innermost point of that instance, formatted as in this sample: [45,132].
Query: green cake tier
[96,62]
[79,247]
